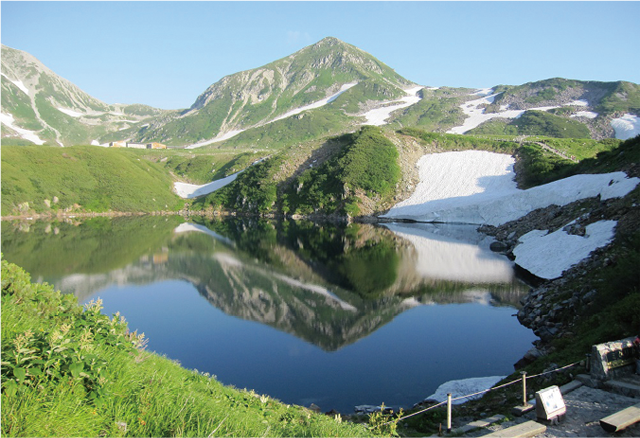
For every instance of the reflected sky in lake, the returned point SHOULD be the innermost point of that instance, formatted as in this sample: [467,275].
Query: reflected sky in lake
[338,316]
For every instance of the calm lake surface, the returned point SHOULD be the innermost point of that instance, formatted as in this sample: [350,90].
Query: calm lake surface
[338,316]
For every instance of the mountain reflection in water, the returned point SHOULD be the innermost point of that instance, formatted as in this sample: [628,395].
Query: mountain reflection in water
[330,286]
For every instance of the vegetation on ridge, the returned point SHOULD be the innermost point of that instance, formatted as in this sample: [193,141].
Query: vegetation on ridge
[365,164]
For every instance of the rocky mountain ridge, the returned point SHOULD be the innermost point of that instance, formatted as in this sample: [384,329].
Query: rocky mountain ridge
[40,107]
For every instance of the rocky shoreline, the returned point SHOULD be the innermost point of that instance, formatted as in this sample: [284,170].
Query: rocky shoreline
[553,308]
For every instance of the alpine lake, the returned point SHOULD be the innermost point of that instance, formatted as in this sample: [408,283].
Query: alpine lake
[335,315]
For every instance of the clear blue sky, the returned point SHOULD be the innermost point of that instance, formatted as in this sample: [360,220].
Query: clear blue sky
[165,54]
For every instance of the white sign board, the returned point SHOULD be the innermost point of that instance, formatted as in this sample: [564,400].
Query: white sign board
[549,403]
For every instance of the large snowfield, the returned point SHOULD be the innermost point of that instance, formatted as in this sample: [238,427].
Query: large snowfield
[478,187]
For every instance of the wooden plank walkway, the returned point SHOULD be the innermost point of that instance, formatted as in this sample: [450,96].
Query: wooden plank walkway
[621,420]
[522,430]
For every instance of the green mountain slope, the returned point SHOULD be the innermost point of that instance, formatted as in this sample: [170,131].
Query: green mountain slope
[53,109]
[39,179]
[349,171]
[256,97]
[591,104]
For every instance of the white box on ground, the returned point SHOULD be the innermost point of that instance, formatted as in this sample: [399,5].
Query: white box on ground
[549,403]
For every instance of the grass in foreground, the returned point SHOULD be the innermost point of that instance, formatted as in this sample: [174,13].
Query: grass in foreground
[71,371]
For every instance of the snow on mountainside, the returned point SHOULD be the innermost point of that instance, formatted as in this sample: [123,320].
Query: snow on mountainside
[596,105]
[40,106]
[328,73]
[478,187]
[340,86]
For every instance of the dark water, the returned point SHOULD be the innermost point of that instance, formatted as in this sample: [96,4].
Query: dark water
[338,316]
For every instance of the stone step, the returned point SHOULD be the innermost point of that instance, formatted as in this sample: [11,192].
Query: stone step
[478,424]
[621,420]
[627,386]
[522,430]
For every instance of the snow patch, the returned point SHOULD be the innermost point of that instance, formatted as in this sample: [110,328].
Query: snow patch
[70,112]
[587,114]
[477,187]
[18,83]
[476,115]
[189,191]
[549,255]
[627,126]
[379,116]
[217,139]
[317,104]
[458,388]
[7,119]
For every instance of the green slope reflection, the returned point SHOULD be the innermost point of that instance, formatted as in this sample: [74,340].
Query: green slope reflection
[329,285]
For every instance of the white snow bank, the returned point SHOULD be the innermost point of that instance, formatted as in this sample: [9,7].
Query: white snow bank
[476,115]
[458,388]
[379,116]
[580,102]
[627,126]
[189,191]
[18,83]
[70,112]
[225,136]
[447,258]
[477,187]
[317,104]
[549,255]
[587,114]
[7,119]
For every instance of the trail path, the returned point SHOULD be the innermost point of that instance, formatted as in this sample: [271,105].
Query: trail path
[585,408]
[553,150]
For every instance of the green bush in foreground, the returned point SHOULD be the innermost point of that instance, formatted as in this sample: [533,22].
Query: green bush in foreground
[69,371]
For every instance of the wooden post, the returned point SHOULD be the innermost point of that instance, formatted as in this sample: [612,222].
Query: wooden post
[449,413]
[524,388]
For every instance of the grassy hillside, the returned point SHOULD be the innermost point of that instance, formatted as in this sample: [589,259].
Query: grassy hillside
[437,111]
[363,164]
[306,126]
[534,123]
[457,142]
[47,180]
[71,371]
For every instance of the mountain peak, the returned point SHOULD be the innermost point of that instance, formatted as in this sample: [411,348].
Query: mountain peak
[330,41]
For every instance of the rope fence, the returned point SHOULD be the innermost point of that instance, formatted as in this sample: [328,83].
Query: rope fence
[450,400]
